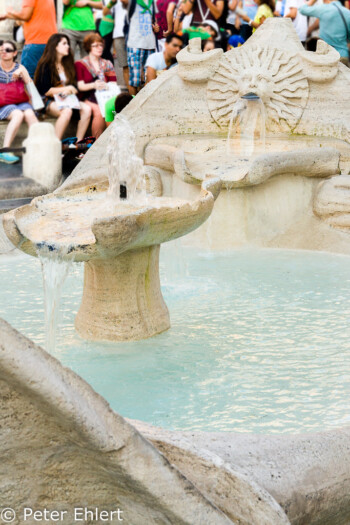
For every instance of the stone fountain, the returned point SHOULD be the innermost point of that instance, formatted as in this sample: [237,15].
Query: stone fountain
[118,239]
[291,190]
[269,198]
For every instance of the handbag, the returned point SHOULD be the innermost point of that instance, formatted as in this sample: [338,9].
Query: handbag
[35,98]
[13,93]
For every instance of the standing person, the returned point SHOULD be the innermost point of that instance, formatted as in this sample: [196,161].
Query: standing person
[164,13]
[250,7]
[78,21]
[165,59]
[265,10]
[334,25]
[106,29]
[291,10]
[15,113]
[118,35]
[141,40]
[92,74]
[39,17]
[55,75]
[206,10]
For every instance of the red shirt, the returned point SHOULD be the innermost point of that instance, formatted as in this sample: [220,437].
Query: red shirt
[85,72]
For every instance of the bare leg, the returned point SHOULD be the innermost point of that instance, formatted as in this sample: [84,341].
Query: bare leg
[98,124]
[83,124]
[126,77]
[29,117]
[63,118]
[16,119]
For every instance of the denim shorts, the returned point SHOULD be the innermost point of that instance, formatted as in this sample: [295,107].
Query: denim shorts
[31,55]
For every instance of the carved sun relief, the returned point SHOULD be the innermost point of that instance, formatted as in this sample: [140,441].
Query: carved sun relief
[275,76]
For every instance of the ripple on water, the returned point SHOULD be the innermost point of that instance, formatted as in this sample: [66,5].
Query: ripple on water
[259,341]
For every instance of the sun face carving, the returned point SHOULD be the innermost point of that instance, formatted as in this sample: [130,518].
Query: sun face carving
[275,76]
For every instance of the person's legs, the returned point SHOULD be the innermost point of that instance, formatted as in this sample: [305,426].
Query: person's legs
[80,37]
[108,40]
[135,69]
[63,118]
[83,124]
[15,120]
[98,124]
[120,49]
[29,117]
[73,37]
[31,55]
[245,31]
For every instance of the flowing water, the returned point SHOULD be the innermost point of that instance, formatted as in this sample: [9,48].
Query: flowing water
[259,341]
[246,128]
[125,168]
[55,266]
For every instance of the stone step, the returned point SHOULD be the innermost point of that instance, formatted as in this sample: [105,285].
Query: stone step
[23,131]
[11,204]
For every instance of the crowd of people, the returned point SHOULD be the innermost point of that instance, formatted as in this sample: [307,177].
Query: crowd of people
[71,67]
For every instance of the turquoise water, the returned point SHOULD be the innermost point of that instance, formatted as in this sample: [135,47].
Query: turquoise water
[259,341]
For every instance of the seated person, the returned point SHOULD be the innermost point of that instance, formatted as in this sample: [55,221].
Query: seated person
[163,60]
[116,105]
[15,113]
[234,41]
[207,45]
[55,75]
[93,72]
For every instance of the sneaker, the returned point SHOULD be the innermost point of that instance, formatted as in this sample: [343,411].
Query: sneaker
[9,158]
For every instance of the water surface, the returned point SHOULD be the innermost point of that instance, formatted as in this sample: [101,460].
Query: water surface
[259,341]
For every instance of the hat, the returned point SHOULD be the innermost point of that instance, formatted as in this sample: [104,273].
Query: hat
[212,24]
[235,41]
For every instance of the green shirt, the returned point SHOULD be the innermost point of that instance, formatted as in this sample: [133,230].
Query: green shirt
[109,109]
[78,18]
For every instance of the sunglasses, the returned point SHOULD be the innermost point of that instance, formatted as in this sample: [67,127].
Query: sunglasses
[7,50]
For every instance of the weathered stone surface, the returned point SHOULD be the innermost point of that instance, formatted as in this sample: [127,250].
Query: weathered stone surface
[332,202]
[61,446]
[307,474]
[307,100]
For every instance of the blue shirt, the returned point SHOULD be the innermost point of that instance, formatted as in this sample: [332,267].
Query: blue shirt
[250,7]
[332,27]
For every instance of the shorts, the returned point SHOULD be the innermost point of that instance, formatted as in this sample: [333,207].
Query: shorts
[137,59]
[120,49]
[31,55]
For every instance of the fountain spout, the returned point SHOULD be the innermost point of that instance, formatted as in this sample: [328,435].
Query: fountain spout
[248,122]
[250,96]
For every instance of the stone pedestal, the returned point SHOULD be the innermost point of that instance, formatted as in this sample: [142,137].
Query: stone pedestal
[122,299]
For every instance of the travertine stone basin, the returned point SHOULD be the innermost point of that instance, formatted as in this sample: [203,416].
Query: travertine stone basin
[119,243]
[192,157]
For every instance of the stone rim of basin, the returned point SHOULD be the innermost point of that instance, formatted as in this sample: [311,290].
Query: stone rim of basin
[319,157]
[125,226]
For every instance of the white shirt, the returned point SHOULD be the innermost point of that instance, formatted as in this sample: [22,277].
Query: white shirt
[119,20]
[156,61]
[141,34]
[300,21]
